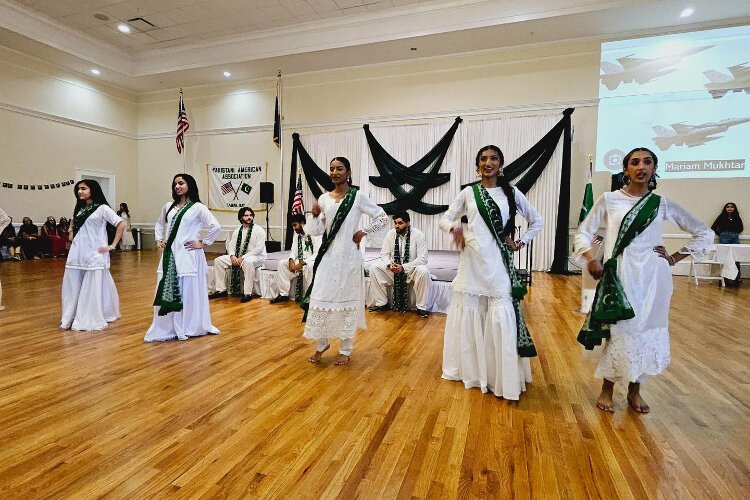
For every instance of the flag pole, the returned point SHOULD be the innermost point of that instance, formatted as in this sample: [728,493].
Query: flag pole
[184,141]
[281,156]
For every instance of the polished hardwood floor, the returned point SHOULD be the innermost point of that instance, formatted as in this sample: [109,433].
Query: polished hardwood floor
[244,415]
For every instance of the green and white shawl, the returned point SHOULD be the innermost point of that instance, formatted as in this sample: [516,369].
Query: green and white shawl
[492,216]
[344,208]
[610,302]
[239,250]
[168,297]
[400,289]
[83,214]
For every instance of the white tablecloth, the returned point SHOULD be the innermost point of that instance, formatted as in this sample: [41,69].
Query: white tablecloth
[728,255]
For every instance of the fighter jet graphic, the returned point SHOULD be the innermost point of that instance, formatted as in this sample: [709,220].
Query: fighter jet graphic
[634,69]
[721,83]
[682,134]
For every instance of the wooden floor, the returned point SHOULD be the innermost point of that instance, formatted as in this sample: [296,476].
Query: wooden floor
[244,415]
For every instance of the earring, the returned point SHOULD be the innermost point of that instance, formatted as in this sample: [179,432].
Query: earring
[478,174]
[501,173]
[652,183]
[625,180]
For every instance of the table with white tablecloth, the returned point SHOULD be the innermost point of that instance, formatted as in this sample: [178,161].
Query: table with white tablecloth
[729,255]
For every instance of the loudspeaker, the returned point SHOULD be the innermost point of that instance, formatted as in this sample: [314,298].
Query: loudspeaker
[266,192]
[273,246]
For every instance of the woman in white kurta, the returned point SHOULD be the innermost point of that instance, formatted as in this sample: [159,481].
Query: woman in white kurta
[193,317]
[89,295]
[480,345]
[336,297]
[638,347]
[127,243]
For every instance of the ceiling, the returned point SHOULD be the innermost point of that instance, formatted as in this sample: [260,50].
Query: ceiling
[191,42]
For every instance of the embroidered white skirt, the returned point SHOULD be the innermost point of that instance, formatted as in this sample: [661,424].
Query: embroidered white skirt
[480,348]
[89,300]
[195,318]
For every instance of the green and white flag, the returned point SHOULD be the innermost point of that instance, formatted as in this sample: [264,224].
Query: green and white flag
[588,196]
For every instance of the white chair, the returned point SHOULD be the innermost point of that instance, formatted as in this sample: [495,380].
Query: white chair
[711,261]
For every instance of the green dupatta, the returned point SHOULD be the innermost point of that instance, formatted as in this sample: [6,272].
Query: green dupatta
[400,287]
[82,216]
[168,296]
[239,250]
[610,302]
[346,206]
[492,216]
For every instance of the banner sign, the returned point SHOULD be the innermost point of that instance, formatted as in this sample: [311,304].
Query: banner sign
[36,187]
[231,187]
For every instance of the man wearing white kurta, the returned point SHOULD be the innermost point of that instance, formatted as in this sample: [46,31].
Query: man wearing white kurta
[382,271]
[250,262]
[289,269]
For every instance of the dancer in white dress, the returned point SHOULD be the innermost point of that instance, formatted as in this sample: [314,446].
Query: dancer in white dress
[181,304]
[486,342]
[334,302]
[128,242]
[89,295]
[631,306]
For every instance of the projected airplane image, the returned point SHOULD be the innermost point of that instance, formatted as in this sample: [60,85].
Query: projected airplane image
[641,70]
[737,81]
[681,134]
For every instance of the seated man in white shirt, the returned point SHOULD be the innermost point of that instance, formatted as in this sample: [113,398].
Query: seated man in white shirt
[403,260]
[300,264]
[246,254]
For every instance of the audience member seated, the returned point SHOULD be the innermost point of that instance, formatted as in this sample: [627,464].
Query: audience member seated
[52,243]
[63,231]
[246,251]
[28,239]
[9,249]
[403,261]
[300,264]
[728,226]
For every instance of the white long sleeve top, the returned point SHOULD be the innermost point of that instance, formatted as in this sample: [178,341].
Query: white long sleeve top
[417,249]
[256,247]
[195,220]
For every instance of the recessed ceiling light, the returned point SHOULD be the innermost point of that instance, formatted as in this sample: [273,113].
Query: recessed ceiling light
[227,74]
[687,12]
[123,28]
[95,71]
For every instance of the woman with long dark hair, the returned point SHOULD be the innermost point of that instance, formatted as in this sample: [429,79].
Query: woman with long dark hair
[728,225]
[55,244]
[334,303]
[181,304]
[630,312]
[486,343]
[89,295]
[127,243]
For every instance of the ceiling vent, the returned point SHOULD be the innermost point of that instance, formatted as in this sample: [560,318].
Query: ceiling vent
[141,24]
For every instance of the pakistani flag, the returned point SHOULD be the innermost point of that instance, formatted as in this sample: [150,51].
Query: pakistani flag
[245,188]
[588,197]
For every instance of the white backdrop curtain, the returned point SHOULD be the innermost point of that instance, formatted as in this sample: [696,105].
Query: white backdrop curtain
[408,143]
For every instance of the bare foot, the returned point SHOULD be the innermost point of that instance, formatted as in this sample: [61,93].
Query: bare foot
[604,402]
[315,358]
[635,400]
[342,360]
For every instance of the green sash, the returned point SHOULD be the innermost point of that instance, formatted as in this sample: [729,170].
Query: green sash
[346,205]
[239,250]
[82,216]
[492,216]
[610,302]
[168,296]
[400,289]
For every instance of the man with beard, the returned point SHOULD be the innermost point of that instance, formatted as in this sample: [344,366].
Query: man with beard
[403,260]
[246,254]
[300,264]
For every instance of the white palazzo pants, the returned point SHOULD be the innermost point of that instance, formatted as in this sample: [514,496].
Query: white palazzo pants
[195,318]
[89,300]
[480,348]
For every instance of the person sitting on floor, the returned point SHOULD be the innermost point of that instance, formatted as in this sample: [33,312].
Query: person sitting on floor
[246,254]
[300,263]
[28,239]
[9,248]
[54,244]
[403,260]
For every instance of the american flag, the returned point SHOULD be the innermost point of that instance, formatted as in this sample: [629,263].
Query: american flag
[598,240]
[298,204]
[227,188]
[182,125]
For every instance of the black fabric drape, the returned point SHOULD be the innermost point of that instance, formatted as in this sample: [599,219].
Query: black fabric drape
[394,174]
[317,180]
[533,162]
